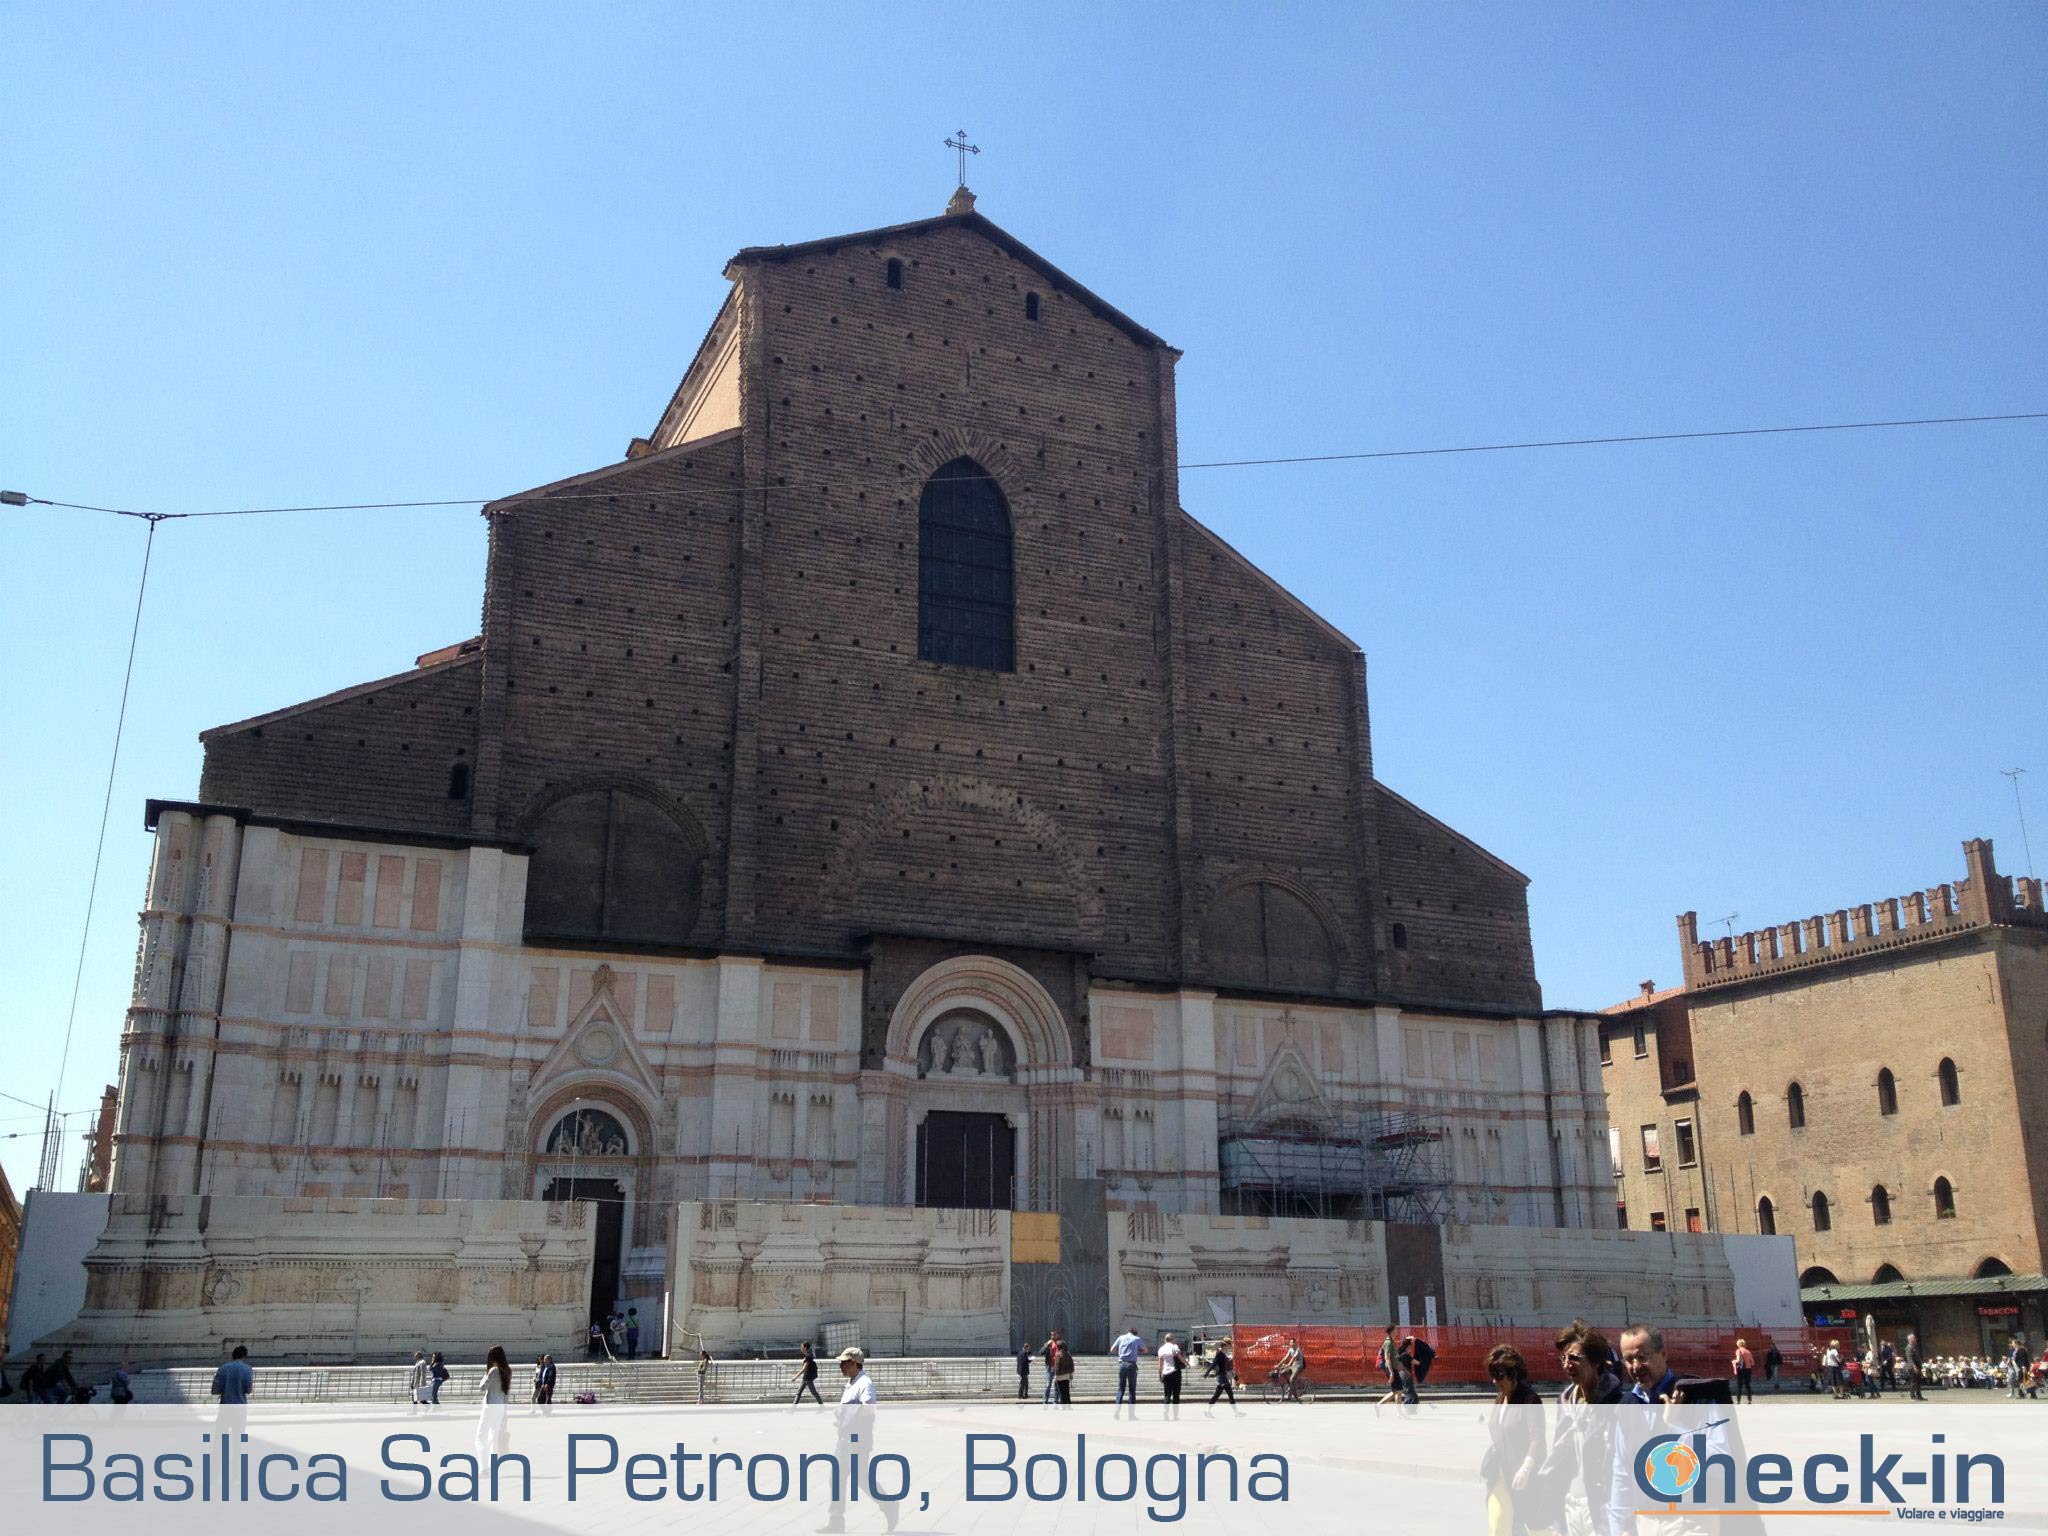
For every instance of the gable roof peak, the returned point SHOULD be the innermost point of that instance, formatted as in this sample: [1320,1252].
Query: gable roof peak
[960,214]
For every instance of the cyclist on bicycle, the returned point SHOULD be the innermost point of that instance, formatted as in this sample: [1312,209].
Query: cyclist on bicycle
[1293,1366]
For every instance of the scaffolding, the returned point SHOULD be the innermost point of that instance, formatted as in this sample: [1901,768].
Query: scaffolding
[1387,1166]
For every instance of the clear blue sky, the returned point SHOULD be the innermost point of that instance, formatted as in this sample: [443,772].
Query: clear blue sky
[262,254]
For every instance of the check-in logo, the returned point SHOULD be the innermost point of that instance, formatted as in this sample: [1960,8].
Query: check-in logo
[1667,1467]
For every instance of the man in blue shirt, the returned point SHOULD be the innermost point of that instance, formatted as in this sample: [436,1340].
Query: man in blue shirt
[235,1383]
[1128,1346]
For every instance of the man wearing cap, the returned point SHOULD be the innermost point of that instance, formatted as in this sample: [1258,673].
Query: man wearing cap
[855,1422]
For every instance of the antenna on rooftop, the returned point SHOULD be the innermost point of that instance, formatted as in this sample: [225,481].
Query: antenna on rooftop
[1728,922]
[2021,806]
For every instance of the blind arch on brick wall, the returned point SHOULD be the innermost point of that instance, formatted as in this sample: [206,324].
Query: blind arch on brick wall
[1260,933]
[966,613]
[610,862]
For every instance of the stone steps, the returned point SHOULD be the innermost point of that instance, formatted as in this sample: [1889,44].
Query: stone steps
[636,1381]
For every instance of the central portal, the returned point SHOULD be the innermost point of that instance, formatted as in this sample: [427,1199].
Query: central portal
[966,1161]
[610,1201]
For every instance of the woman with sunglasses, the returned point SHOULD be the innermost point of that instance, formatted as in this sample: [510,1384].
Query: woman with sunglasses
[1518,1443]
[1583,1447]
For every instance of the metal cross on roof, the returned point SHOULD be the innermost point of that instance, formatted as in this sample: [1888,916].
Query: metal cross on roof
[965,149]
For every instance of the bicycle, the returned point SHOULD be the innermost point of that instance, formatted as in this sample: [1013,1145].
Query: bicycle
[1276,1389]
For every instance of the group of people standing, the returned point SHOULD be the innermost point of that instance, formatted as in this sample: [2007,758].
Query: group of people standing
[1172,1357]
[617,1334]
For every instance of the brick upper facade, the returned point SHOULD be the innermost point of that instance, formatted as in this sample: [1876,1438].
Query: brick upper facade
[724,629]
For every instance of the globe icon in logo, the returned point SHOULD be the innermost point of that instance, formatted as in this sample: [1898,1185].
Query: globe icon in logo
[1670,1469]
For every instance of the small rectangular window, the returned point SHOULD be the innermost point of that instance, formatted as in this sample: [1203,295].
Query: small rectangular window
[1687,1155]
[1692,1219]
[1642,1041]
[1652,1161]
[1657,1222]
[1614,1148]
[1606,1050]
[1621,1214]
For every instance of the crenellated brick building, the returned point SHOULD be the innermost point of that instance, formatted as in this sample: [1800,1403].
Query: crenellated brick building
[1873,1082]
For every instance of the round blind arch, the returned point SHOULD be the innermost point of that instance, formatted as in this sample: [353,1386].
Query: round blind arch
[610,863]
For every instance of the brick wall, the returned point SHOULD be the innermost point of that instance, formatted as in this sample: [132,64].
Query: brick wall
[1833,1032]
[728,629]
[376,756]
[1464,915]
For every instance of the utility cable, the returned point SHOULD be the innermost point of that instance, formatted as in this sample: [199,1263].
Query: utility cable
[18,498]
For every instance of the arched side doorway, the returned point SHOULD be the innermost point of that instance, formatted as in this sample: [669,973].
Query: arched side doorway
[589,1150]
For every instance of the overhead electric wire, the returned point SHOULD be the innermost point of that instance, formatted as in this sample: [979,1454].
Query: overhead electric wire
[106,807]
[1304,458]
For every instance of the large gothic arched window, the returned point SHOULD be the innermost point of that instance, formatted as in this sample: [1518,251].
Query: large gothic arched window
[965,612]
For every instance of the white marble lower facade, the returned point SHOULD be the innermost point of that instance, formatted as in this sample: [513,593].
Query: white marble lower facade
[319,1016]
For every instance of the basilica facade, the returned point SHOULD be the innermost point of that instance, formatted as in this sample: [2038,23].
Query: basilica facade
[875,789]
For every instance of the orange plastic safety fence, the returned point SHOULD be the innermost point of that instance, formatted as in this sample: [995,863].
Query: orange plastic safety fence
[1349,1357]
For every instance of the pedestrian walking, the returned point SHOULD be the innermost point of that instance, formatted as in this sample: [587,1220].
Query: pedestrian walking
[1516,1445]
[703,1372]
[1173,1361]
[1062,1372]
[2019,1368]
[1051,1351]
[418,1382]
[1223,1366]
[1774,1363]
[1582,1446]
[855,1423]
[1421,1356]
[1395,1369]
[496,1388]
[437,1376]
[805,1377]
[60,1386]
[1915,1370]
[234,1383]
[1127,1346]
[1024,1374]
[596,1339]
[1831,1369]
[121,1389]
[1743,1369]
[544,1378]
[632,1333]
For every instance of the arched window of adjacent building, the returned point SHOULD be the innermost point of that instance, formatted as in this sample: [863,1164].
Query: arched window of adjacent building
[1951,1089]
[1400,935]
[892,274]
[1944,1199]
[964,573]
[1795,1107]
[1262,934]
[1030,306]
[1880,1206]
[1818,1275]
[458,781]
[1887,1274]
[1991,1269]
[1745,1114]
[1887,1092]
[611,864]
[1822,1220]
[1766,1217]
